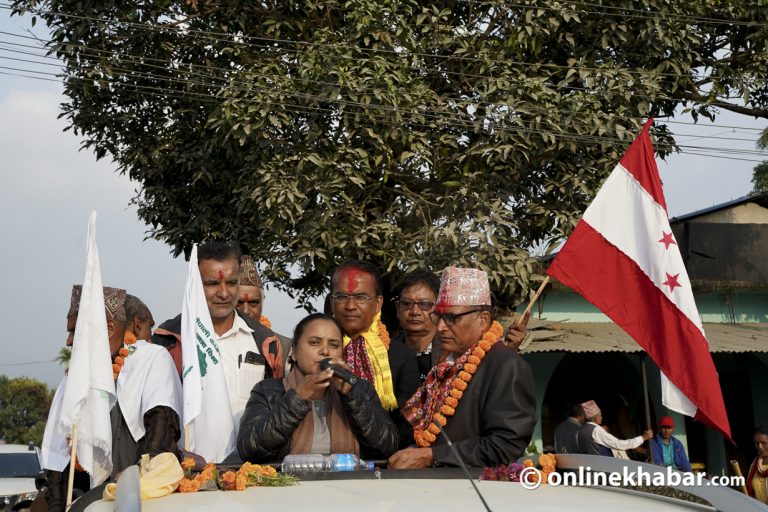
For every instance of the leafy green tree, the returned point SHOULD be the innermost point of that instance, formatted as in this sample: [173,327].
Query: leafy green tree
[760,172]
[24,405]
[410,133]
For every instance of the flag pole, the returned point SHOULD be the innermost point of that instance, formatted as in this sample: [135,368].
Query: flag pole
[72,464]
[647,405]
[532,301]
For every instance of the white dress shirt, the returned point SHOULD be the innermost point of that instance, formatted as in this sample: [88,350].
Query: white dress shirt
[239,375]
[600,436]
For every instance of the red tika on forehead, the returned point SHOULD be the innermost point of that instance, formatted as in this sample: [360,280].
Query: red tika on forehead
[354,276]
[246,298]
[221,275]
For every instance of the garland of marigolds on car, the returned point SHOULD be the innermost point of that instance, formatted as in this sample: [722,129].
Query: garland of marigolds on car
[474,356]
[249,475]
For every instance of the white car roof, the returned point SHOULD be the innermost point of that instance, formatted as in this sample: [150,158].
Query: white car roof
[15,448]
[416,495]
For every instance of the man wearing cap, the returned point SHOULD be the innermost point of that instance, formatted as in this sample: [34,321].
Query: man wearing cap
[594,440]
[668,450]
[250,300]
[250,352]
[481,394]
[145,417]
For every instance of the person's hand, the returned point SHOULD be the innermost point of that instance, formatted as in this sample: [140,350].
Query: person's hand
[339,383]
[517,332]
[411,458]
[315,385]
[648,434]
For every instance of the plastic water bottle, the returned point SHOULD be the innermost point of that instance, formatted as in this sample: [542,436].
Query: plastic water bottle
[318,462]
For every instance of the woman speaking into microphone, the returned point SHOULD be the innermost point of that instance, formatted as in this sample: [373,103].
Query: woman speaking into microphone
[312,409]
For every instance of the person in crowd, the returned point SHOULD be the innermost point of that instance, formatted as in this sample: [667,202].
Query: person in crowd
[594,440]
[617,454]
[139,317]
[566,433]
[312,410]
[251,297]
[416,301]
[517,332]
[668,450]
[757,478]
[146,416]
[356,299]
[250,352]
[481,396]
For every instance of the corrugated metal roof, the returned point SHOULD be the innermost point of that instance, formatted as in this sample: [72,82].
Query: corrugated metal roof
[608,337]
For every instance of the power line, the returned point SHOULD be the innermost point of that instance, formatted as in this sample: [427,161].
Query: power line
[307,109]
[29,362]
[241,39]
[226,81]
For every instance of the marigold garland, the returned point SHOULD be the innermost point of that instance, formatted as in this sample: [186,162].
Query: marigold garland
[425,438]
[263,320]
[383,334]
[248,475]
[128,339]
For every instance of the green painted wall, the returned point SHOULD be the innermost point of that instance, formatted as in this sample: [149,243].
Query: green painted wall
[741,306]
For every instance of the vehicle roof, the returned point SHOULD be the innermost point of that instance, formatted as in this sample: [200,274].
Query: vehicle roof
[411,494]
[16,448]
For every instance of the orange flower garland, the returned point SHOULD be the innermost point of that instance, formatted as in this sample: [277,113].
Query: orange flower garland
[129,339]
[265,322]
[383,334]
[425,438]
[249,475]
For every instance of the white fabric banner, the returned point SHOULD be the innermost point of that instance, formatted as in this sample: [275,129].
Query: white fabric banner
[207,413]
[90,389]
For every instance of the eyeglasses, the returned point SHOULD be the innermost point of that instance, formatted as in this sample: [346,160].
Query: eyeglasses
[359,298]
[450,318]
[424,305]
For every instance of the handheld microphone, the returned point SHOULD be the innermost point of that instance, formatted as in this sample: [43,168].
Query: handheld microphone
[344,374]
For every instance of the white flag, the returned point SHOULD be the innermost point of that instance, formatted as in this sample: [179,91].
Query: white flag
[90,389]
[207,413]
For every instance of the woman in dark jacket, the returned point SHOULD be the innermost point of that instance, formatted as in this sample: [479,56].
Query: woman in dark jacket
[312,410]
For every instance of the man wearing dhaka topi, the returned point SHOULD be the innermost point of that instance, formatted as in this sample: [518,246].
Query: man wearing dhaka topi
[481,394]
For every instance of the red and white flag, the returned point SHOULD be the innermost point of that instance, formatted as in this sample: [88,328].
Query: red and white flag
[623,258]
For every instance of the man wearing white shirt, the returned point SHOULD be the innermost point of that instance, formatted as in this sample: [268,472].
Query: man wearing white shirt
[594,440]
[249,351]
[145,418]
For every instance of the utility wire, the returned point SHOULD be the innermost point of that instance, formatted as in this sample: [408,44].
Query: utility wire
[241,39]
[248,85]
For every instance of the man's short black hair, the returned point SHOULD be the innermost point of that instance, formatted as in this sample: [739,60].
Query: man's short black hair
[421,276]
[219,251]
[576,411]
[761,430]
[363,266]
[134,309]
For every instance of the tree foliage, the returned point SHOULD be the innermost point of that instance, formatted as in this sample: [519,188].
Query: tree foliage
[411,133]
[760,172]
[24,405]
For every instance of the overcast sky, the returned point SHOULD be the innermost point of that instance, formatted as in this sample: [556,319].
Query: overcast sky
[49,188]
